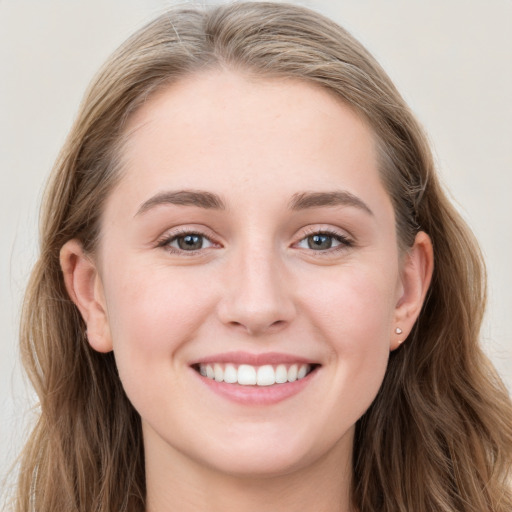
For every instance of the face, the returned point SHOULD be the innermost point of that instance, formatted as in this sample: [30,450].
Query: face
[248,277]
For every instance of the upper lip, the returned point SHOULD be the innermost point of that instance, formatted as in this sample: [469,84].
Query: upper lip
[238,357]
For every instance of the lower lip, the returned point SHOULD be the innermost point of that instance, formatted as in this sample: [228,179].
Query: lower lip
[257,395]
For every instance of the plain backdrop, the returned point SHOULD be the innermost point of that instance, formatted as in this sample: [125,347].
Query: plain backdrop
[451,59]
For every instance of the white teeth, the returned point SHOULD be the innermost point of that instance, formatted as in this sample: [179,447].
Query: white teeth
[302,372]
[292,373]
[230,374]
[265,376]
[281,374]
[218,373]
[248,375]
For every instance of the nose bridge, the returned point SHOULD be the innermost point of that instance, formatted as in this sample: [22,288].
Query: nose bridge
[258,295]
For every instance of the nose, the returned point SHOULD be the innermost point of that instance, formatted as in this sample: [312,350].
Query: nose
[258,294]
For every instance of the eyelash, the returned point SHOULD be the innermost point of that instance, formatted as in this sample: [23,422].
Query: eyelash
[166,241]
[344,241]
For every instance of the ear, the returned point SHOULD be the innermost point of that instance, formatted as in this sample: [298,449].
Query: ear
[416,275]
[84,286]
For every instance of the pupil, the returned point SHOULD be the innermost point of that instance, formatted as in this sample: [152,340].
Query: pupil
[190,242]
[320,242]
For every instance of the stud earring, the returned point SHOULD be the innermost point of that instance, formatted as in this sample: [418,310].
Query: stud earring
[398,330]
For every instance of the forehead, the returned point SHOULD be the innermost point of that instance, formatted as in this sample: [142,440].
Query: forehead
[226,131]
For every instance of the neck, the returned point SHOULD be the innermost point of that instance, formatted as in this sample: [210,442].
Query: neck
[179,483]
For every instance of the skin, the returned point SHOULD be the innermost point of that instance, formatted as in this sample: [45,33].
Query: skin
[254,286]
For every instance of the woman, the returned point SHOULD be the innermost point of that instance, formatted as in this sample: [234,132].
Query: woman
[252,291]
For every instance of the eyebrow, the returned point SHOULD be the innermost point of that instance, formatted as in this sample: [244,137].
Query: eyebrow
[211,201]
[307,200]
[197,198]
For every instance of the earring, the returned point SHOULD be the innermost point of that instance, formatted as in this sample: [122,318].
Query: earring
[399,331]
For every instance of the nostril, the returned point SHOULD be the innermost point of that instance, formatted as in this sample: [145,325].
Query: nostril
[277,324]
[262,327]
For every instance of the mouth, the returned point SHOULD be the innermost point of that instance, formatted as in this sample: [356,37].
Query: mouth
[256,379]
[253,375]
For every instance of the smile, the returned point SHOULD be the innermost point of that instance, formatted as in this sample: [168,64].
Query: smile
[255,379]
[249,375]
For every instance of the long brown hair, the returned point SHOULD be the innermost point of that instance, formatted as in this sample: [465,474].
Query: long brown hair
[438,437]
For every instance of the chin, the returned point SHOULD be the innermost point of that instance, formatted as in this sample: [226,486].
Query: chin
[264,453]
[253,463]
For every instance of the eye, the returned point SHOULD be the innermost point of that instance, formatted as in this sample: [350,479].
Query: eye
[187,241]
[323,241]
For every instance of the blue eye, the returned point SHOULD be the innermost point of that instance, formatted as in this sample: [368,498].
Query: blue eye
[319,242]
[187,242]
[190,242]
[323,241]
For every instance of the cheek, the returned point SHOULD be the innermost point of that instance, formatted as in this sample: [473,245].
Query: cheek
[151,315]
[354,314]
[354,305]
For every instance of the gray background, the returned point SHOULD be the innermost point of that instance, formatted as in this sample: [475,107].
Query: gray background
[451,59]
